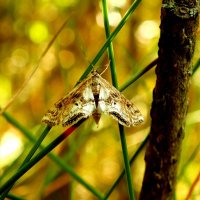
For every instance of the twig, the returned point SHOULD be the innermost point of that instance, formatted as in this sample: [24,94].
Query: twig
[193,186]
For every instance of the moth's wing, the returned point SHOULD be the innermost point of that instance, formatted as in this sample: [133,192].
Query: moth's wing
[82,108]
[52,117]
[75,106]
[113,103]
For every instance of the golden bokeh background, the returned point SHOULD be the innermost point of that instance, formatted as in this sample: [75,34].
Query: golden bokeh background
[95,154]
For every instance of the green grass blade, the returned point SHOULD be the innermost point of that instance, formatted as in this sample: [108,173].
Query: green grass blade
[115,84]
[14,197]
[110,46]
[196,66]
[30,155]
[123,172]
[111,37]
[137,76]
[37,158]
[19,126]
[62,164]
[126,163]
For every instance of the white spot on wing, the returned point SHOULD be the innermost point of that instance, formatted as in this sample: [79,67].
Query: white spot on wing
[103,93]
[87,94]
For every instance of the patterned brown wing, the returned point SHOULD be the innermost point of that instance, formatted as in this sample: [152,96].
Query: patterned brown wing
[76,105]
[113,103]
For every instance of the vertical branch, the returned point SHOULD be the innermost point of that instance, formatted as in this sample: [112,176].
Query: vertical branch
[179,22]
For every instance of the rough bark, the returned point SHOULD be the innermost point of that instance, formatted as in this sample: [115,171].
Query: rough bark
[179,22]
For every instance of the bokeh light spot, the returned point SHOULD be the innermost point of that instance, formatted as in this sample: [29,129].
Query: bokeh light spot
[20,58]
[114,18]
[147,30]
[10,147]
[66,58]
[118,3]
[38,32]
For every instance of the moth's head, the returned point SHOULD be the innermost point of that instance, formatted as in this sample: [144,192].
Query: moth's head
[94,72]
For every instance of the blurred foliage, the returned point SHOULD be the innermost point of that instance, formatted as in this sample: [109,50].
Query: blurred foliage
[26,27]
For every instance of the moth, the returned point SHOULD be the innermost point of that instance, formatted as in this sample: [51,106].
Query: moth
[93,96]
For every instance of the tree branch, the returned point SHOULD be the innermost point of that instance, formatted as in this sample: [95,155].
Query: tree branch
[179,22]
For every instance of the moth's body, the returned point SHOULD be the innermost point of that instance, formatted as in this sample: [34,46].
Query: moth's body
[96,88]
[93,96]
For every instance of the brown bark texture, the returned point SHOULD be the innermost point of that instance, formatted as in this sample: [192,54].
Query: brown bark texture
[179,22]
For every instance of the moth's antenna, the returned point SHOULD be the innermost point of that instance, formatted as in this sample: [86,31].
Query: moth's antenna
[83,51]
[86,57]
[33,70]
[107,65]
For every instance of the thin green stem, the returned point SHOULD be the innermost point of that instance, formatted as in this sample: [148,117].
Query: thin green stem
[137,76]
[19,126]
[115,84]
[110,38]
[110,46]
[147,68]
[29,156]
[126,163]
[38,157]
[123,172]
[196,66]
[14,197]
[52,156]
[32,162]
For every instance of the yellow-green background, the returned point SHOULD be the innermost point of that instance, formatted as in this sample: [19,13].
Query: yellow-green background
[26,27]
